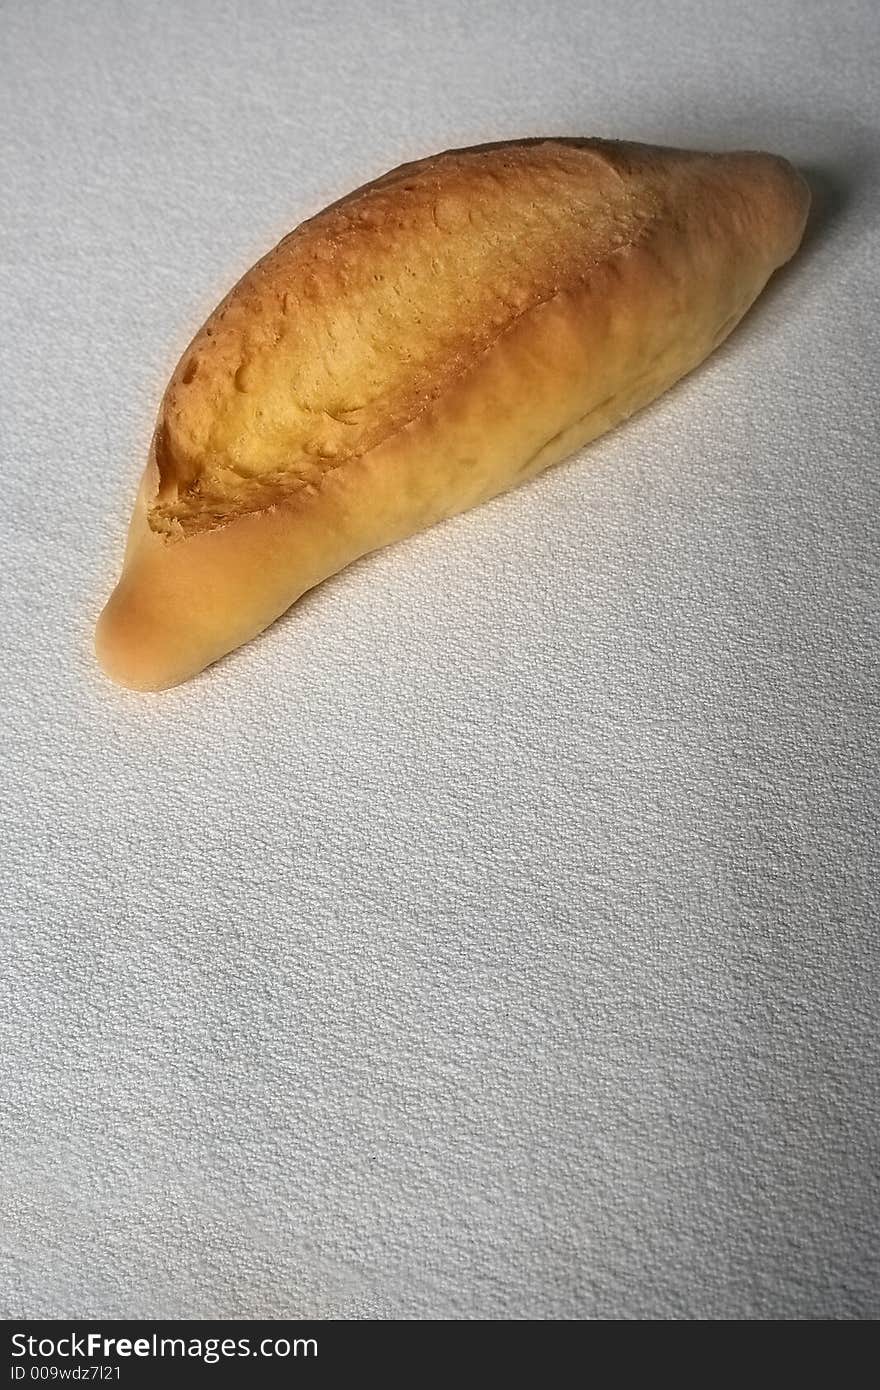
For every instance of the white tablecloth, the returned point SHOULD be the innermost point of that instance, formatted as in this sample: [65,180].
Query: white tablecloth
[496,937]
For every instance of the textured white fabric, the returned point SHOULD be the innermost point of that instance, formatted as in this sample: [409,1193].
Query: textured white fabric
[497,937]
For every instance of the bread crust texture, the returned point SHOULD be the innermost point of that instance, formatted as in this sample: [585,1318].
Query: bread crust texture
[437,337]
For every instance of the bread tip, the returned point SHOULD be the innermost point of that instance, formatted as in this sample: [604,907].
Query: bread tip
[122,654]
[783,196]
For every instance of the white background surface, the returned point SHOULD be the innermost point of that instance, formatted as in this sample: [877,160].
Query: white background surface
[497,937]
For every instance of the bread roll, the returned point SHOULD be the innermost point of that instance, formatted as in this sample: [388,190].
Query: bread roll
[433,339]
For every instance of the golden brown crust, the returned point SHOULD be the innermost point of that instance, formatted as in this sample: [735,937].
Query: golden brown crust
[427,342]
[358,319]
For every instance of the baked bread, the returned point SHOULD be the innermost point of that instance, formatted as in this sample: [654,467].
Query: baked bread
[433,339]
